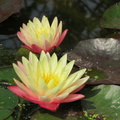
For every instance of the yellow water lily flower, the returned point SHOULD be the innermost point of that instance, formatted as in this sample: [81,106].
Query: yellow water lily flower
[39,35]
[46,81]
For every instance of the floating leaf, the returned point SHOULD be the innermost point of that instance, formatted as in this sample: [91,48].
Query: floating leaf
[7,75]
[8,7]
[100,55]
[111,17]
[22,52]
[103,100]
[43,116]
[9,118]
[4,113]
[8,101]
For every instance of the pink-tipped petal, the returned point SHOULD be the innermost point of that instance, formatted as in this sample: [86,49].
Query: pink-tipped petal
[17,90]
[49,106]
[62,37]
[20,65]
[22,38]
[22,94]
[72,97]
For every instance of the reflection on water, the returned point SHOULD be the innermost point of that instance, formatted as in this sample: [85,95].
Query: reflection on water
[81,17]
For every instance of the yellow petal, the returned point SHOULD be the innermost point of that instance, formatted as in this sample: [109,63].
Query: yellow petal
[42,86]
[53,62]
[54,25]
[45,22]
[67,70]
[46,67]
[51,84]
[44,99]
[64,60]
[75,85]
[60,27]
[24,88]
[21,75]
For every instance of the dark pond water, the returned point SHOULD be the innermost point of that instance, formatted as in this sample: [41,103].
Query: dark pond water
[81,17]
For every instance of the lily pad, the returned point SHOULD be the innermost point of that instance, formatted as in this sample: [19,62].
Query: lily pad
[8,7]
[7,75]
[111,17]
[8,101]
[4,113]
[103,100]
[101,55]
[43,116]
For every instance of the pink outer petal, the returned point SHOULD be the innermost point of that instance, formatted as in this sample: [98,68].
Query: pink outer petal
[72,97]
[37,49]
[22,38]
[62,37]
[34,48]
[50,106]
[21,93]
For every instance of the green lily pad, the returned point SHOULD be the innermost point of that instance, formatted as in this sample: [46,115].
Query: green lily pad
[101,56]
[4,113]
[22,52]
[9,118]
[7,99]
[44,116]
[111,17]
[103,100]
[7,75]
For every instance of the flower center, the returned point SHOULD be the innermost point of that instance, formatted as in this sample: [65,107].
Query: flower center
[50,76]
[42,30]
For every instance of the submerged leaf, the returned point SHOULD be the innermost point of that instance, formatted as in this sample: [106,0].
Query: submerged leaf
[102,58]
[8,7]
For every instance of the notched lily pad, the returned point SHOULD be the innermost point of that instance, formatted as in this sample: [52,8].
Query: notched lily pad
[105,103]
[100,55]
[8,7]
[111,17]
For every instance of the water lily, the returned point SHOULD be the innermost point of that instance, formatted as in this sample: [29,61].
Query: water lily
[46,81]
[39,35]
